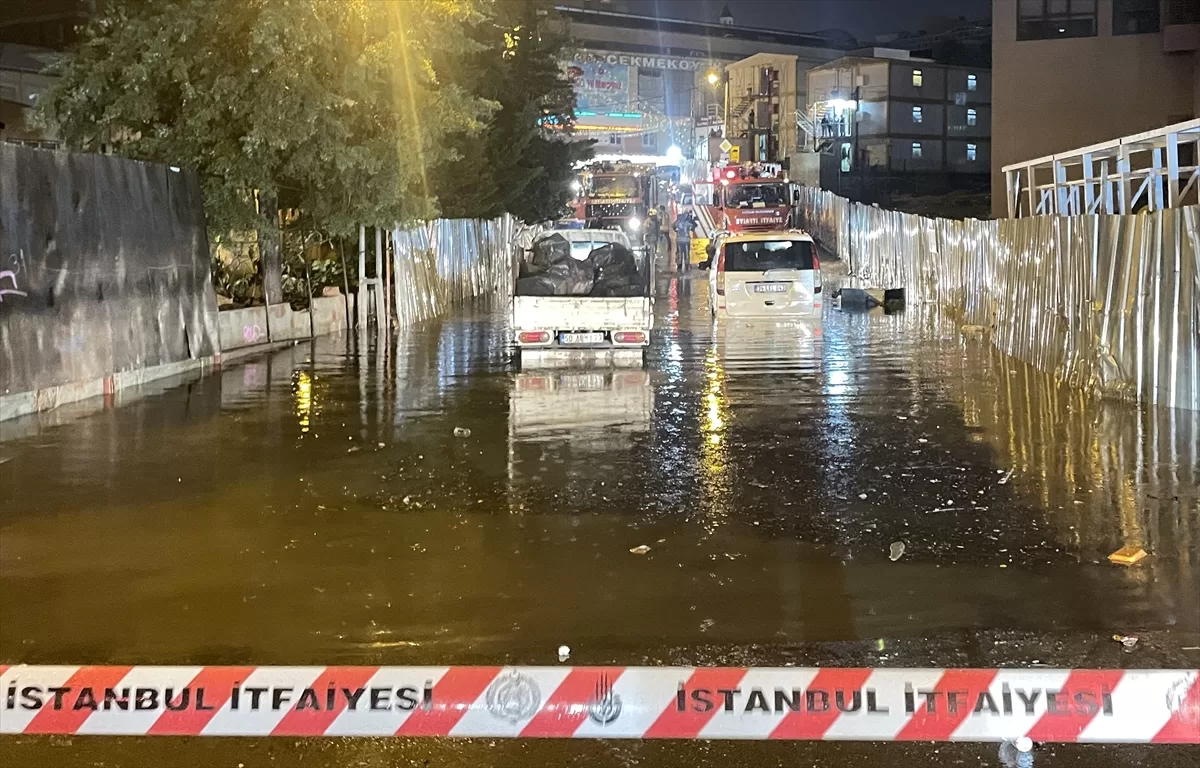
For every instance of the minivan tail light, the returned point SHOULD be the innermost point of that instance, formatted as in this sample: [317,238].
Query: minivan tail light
[721,273]
[533,337]
[629,337]
[816,274]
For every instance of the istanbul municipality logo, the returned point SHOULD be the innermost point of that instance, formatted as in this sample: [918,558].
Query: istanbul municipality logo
[605,705]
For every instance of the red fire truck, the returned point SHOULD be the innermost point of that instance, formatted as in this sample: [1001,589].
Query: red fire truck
[747,198]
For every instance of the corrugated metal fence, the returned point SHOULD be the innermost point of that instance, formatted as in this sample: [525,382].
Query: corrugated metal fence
[446,262]
[1109,303]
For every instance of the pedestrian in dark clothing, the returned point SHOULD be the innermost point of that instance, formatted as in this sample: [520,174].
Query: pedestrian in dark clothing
[684,224]
[653,230]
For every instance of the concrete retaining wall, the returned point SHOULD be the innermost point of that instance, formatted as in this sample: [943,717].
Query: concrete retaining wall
[260,325]
[237,328]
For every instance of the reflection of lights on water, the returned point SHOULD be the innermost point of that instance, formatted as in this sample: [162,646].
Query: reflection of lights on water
[674,364]
[714,465]
[304,399]
[837,382]
[715,422]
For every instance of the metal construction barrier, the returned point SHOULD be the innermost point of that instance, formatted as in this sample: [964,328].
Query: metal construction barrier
[1109,303]
[104,270]
[447,261]
[1043,705]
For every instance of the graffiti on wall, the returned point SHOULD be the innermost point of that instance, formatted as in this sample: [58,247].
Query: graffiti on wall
[8,277]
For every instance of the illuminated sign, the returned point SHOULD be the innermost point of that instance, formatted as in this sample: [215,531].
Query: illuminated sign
[656,62]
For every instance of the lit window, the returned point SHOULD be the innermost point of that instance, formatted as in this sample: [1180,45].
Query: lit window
[972,117]
[916,149]
[972,152]
[918,78]
[972,83]
[918,114]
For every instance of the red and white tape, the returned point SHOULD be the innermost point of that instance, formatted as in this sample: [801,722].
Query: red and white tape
[1046,705]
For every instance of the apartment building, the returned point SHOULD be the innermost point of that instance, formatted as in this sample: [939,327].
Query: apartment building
[882,111]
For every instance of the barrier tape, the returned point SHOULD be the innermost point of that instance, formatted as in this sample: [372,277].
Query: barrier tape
[1046,705]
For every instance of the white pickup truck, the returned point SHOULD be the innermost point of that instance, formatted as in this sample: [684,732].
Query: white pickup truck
[564,329]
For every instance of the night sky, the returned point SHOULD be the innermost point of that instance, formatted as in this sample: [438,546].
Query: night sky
[863,18]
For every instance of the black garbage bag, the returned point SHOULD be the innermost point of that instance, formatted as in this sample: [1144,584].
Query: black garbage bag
[613,256]
[545,253]
[617,272]
[572,277]
[618,290]
[538,285]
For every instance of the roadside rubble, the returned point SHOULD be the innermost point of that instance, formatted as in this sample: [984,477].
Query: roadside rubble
[1129,641]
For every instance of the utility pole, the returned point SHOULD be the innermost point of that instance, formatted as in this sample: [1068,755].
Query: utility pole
[857,115]
[725,124]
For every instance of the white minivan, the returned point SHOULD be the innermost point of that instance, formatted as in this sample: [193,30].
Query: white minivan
[764,274]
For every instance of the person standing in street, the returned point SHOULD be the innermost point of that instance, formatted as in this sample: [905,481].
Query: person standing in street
[653,230]
[683,240]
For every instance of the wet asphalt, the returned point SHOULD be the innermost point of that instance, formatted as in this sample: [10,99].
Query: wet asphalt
[313,505]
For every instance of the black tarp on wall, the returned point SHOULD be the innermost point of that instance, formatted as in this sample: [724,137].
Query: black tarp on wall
[104,267]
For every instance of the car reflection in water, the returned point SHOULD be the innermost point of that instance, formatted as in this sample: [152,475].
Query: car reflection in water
[767,345]
[571,424]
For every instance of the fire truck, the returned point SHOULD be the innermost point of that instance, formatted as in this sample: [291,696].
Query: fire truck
[746,198]
[617,195]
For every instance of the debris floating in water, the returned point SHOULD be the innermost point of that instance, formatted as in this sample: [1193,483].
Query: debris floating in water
[896,551]
[643,549]
[564,653]
[462,432]
[1007,476]
[1129,554]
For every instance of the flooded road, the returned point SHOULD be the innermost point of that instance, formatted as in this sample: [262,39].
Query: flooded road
[315,506]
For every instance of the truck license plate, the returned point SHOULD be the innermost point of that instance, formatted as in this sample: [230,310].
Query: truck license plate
[581,338]
[770,287]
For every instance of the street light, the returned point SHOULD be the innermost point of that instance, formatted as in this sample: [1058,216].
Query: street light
[674,153]
[713,78]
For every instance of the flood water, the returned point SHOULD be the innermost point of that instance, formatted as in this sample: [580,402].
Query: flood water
[314,505]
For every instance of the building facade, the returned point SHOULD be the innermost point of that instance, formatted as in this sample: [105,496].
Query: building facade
[765,90]
[1071,73]
[888,113]
[21,84]
[645,84]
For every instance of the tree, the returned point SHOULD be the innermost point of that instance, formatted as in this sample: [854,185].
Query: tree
[332,106]
[518,164]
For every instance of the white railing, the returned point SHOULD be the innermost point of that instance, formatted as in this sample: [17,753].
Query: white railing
[1154,170]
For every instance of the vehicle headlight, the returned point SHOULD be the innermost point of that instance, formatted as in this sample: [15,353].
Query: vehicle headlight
[635,223]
